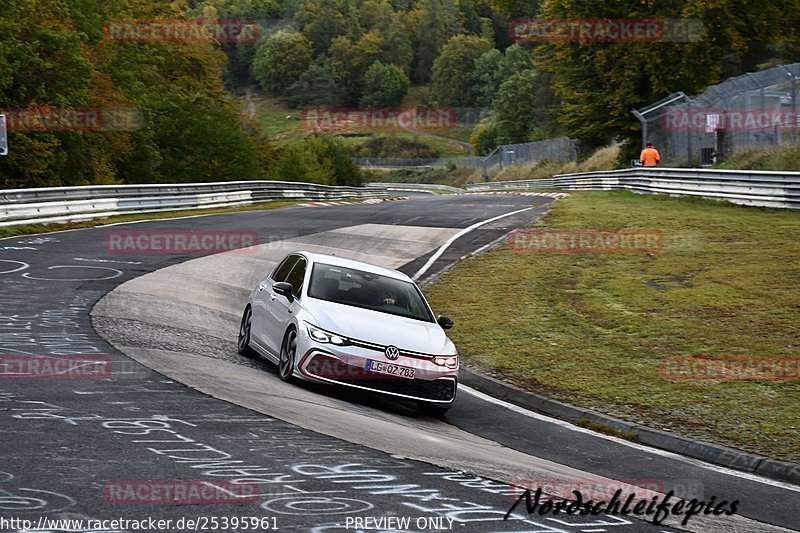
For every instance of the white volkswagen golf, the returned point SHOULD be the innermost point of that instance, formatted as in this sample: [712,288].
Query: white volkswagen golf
[326,319]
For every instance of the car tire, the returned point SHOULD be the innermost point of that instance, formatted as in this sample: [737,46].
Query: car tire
[286,360]
[432,409]
[243,342]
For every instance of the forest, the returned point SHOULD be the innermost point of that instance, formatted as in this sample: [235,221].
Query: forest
[170,104]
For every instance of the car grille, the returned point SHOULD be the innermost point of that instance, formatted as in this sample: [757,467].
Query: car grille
[439,389]
[380,348]
[329,368]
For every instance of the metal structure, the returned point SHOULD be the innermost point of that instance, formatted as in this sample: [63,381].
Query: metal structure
[758,109]
[3,136]
[556,149]
[426,187]
[744,187]
[66,204]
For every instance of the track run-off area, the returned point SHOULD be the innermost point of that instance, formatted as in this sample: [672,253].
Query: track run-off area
[181,404]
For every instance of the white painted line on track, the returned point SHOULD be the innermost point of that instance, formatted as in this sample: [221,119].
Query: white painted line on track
[455,237]
[655,451]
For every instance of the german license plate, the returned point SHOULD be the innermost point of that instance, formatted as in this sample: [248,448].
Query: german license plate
[390,369]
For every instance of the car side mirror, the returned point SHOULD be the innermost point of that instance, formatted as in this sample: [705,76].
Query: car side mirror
[445,321]
[284,289]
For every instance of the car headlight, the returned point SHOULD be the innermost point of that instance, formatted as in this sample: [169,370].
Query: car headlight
[326,337]
[449,362]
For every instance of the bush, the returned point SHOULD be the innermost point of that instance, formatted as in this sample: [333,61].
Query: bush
[484,137]
[316,159]
[315,87]
[384,86]
[394,146]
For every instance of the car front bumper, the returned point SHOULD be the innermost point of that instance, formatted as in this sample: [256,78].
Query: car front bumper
[348,366]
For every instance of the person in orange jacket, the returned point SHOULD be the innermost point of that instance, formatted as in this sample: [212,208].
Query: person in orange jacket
[649,156]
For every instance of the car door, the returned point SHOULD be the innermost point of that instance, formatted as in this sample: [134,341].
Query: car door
[279,310]
[263,298]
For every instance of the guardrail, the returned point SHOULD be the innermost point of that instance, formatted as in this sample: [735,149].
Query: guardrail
[744,187]
[414,187]
[66,204]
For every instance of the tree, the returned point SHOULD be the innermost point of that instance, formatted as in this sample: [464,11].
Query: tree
[315,86]
[469,16]
[484,137]
[601,82]
[187,128]
[320,22]
[487,77]
[453,72]
[397,44]
[281,59]
[431,34]
[241,54]
[384,86]
[494,67]
[522,108]
[375,15]
[350,61]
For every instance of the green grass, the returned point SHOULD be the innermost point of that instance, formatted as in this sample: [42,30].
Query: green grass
[457,177]
[602,159]
[276,119]
[591,329]
[783,158]
[282,124]
[13,231]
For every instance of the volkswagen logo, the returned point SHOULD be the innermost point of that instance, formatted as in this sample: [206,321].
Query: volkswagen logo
[392,352]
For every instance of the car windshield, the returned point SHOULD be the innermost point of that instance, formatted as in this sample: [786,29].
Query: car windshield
[368,290]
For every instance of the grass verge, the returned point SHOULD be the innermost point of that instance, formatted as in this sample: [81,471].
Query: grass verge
[602,159]
[781,158]
[591,329]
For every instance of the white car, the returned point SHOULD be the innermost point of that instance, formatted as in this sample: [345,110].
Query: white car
[326,319]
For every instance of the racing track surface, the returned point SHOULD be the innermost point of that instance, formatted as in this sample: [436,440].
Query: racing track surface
[317,455]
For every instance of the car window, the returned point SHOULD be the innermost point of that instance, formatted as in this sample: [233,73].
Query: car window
[285,267]
[296,277]
[368,290]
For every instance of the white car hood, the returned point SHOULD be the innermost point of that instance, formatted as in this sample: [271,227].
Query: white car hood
[380,328]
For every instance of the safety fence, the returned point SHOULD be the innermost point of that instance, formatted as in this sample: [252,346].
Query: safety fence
[556,149]
[755,110]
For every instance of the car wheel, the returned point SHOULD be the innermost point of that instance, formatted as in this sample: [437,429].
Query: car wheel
[432,409]
[288,350]
[243,344]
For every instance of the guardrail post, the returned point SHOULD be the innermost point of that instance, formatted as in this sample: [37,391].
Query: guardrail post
[644,126]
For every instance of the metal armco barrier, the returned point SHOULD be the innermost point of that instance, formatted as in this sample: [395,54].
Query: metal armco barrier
[66,204]
[415,187]
[745,187]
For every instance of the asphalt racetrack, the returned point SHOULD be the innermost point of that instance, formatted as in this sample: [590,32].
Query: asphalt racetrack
[181,404]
